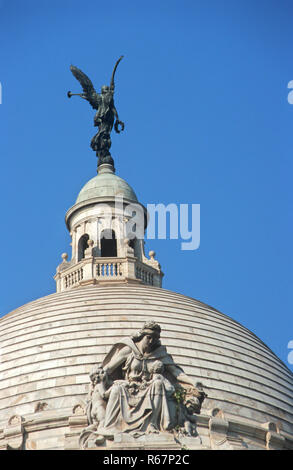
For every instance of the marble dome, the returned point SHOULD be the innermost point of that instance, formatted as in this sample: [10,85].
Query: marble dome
[49,346]
[106,185]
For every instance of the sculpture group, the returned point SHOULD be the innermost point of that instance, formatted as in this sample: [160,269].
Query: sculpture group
[139,390]
[106,115]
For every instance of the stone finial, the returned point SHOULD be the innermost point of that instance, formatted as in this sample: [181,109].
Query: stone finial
[128,248]
[89,251]
[64,257]
[152,261]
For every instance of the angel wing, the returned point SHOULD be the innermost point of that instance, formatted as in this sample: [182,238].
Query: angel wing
[89,92]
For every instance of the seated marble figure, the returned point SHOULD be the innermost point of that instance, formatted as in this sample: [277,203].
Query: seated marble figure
[136,388]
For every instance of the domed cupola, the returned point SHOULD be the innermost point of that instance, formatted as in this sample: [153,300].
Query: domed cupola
[107,225]
[106,186]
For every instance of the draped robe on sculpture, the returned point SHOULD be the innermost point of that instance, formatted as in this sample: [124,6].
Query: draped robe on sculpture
[140,401]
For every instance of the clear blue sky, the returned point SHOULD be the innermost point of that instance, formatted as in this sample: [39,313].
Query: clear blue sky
[203,93]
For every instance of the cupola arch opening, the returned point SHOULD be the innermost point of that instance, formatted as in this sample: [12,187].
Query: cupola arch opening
[108,244]
[82,246]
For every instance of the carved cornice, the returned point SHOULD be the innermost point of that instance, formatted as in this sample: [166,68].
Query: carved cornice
[233,432]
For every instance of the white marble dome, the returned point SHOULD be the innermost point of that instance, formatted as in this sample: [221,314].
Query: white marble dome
[48,347]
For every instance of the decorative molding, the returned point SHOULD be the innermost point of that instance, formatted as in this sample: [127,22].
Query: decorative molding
[221,437]
[13,433]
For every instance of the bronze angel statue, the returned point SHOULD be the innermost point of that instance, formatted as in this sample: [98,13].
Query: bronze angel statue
[106,112]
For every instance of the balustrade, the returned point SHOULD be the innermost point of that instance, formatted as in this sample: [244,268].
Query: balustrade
[73,277]
[146,276]
[112,269]
[99,269]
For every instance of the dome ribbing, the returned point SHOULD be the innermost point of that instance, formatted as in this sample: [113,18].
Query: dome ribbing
[50,345]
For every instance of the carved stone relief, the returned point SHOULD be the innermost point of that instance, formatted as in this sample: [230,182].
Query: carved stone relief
[139,390]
